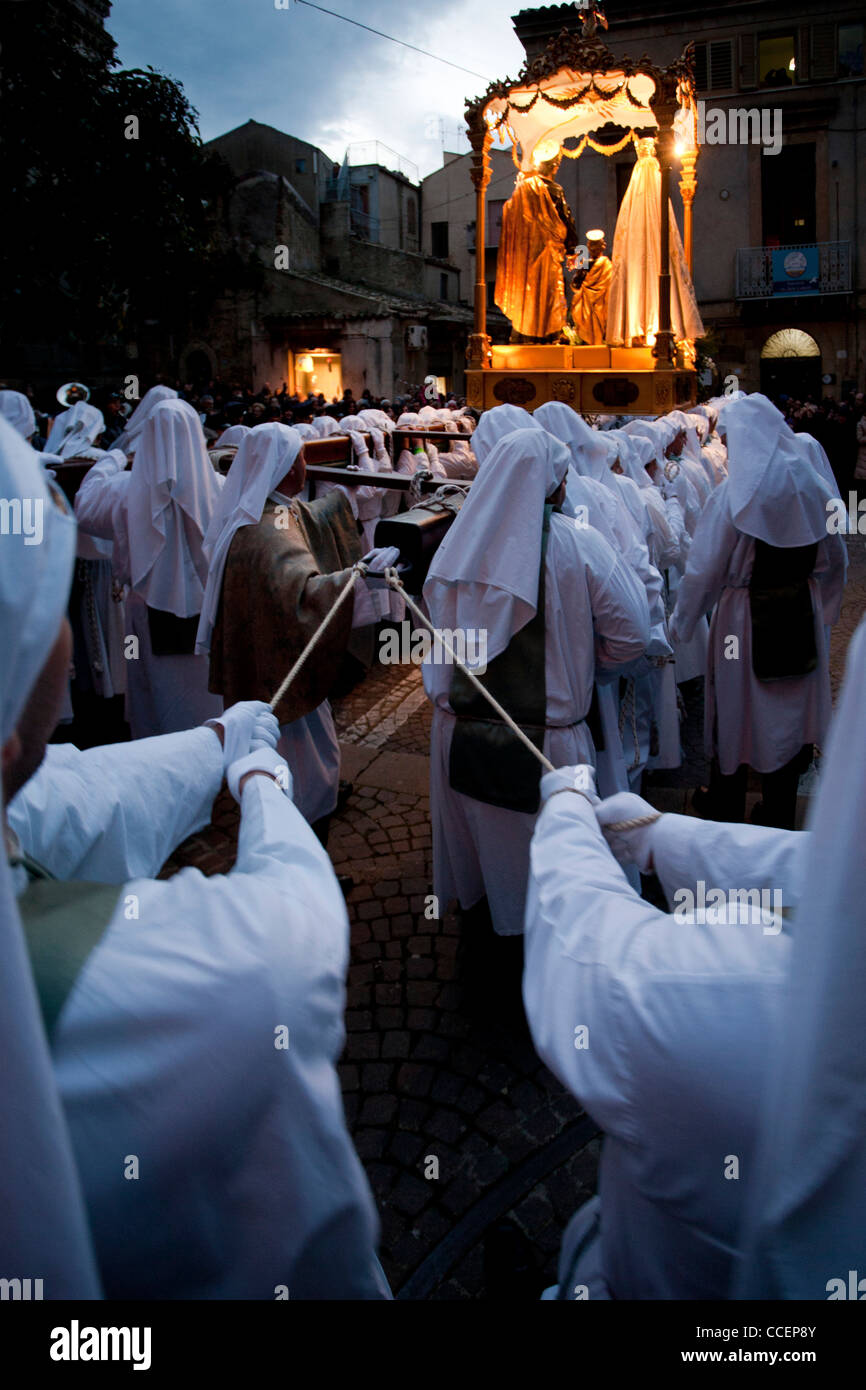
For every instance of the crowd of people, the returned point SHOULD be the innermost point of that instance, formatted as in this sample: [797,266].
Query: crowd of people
[191,1026]
[220,404]
[839,425]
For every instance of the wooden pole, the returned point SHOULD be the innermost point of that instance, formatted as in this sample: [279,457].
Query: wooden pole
[478,351]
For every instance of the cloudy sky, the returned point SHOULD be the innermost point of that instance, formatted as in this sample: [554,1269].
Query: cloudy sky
[320,78]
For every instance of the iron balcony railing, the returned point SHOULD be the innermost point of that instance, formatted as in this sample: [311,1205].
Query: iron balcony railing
[775,272]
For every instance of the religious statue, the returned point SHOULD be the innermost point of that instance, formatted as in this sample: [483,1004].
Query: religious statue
[591,288]
[633,314]
[538,232]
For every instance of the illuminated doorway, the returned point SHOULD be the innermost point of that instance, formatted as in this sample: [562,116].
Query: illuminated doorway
[318,370]
[791,365]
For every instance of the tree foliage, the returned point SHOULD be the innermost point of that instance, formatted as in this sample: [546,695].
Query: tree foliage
[111,222]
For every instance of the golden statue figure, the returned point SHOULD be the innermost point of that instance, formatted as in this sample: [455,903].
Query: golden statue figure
[592,287]
[538,232]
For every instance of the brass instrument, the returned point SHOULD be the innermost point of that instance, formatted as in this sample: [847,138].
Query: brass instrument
[72,392]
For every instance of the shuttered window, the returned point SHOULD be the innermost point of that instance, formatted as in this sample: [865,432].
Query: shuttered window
[714,66]
[823,52]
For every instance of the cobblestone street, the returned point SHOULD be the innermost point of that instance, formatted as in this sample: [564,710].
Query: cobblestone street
[431,1071]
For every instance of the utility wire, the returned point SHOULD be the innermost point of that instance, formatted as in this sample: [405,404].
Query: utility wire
[391,39]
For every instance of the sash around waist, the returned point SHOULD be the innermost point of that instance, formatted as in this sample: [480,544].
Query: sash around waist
[572,723]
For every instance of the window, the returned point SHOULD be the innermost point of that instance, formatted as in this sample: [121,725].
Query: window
[439,240]
[300,166]
[443,286]
[470,236]
[714,65]
[850,50]
[494,220]
[412,217]
[776,61]
[788,196]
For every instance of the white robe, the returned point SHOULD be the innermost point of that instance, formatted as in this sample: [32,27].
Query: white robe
[595,611]
[679,1017]
[165,1048]
[762,723]
[164,694]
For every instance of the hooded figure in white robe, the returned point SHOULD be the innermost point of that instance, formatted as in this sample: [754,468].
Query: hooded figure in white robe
[326,425]
[806,1214]
[128,441]
[590,485]
[309,744]
[773,495]
[43,1228]
[17,410]
[156,515]
[484,579]
[195,1023]
[679,495]
[738,1029]
[231,437]
[659,1024]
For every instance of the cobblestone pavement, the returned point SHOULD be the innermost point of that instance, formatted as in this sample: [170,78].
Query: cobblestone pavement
[430,1071]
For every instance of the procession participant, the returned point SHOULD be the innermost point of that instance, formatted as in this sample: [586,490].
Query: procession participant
[591,485]
[326,425]
[231,436]
[762,558]
[75,431]
[551,601]
[803,1233]
[276,567]
[589,303]
[128,440]
[17,410]
[154,976]
[43,1227]
[156,515]
[659,1024]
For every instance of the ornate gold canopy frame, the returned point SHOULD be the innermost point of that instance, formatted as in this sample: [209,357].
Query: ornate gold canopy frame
[569,91]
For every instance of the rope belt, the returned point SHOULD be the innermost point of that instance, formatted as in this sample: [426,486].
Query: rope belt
[393,580]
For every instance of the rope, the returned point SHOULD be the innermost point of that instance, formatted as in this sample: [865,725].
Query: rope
[356,571]
[395,582]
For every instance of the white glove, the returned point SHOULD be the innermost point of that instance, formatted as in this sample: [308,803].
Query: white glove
[377,561]
[628,846]
[359,444]
[261,760]
[248,725]
[378,439]
[580,778]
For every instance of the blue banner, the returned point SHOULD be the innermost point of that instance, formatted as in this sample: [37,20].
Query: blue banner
[796,272]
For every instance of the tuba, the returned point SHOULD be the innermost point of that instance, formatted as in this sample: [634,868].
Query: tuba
[72,392]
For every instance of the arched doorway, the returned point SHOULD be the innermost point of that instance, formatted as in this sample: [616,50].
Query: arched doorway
[791,365]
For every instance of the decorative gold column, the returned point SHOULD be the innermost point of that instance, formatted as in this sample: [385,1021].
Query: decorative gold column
[665,110]
[688,188]
[478,350]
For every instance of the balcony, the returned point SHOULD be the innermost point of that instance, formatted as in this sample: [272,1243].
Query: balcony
[786,272]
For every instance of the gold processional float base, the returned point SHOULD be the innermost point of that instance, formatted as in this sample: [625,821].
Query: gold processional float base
[591,380]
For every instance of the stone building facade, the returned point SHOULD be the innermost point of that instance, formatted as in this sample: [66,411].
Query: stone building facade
[346,296]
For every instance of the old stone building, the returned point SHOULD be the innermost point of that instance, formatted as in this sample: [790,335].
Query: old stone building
[347,297]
